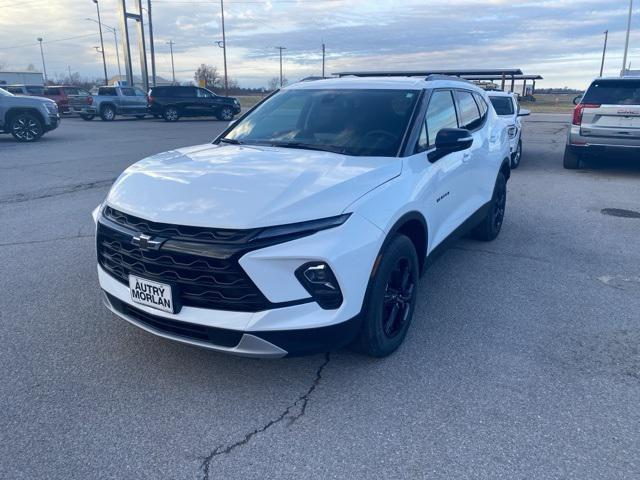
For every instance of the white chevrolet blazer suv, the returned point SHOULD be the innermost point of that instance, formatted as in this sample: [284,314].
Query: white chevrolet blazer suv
[305,226]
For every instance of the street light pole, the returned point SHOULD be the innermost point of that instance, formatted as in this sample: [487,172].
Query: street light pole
[281,49]
[626,45]
[44,67]
[104,60]
[151,47]
[323,53]
[604,51]
[113,30]
[173,70]
[224,50]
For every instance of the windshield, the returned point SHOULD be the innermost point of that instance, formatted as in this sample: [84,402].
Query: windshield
[352,122]
[613,92]
[4,93]
[502,105]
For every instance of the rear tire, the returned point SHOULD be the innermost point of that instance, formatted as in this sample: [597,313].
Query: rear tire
[170,114]
[26,127]
[108,113]
[225,114]
[571,159]
[489,228]
[390,300]
[517,156]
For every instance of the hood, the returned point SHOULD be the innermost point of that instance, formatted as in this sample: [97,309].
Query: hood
[236,186]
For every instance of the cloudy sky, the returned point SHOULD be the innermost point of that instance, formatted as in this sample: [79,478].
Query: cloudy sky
[559,39]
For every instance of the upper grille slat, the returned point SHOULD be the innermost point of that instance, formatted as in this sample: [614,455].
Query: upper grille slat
[202,282]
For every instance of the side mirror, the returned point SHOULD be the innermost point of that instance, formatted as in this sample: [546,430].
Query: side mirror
[524,113]
[449,140]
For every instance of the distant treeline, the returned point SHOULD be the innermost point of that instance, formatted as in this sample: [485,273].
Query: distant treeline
[557,91]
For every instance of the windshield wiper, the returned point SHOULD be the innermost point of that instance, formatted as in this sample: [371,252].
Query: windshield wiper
[307,146]
[232,141]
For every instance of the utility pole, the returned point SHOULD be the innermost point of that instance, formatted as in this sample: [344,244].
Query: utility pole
[604,51]
[323,52]
[113,30]
[173,70]
[224,50]
[281,49]
[151,48]
[626,45]
[44,67]
[69,68]
[104,60]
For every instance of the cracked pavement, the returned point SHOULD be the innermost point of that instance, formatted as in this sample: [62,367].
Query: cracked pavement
[522,362]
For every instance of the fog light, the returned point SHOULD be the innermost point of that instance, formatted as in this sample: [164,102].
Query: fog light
[318,279]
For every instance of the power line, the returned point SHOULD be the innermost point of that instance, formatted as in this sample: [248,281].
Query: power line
[49,41]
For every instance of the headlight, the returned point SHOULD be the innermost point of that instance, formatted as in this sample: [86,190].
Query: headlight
[302,228]
[51,107]
[513,131]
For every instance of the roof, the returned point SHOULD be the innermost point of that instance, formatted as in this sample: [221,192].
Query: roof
[382,83]
[425,73]
[500,93]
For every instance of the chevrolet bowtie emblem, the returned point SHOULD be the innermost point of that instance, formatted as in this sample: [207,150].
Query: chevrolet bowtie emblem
[145,242]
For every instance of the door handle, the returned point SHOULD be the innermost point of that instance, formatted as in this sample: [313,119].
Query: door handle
[466,157]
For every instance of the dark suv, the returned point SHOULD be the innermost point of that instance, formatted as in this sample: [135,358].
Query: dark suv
[174,102]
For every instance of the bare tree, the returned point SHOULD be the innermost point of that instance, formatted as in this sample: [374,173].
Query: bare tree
[208,76]
[274,83]
[31,68]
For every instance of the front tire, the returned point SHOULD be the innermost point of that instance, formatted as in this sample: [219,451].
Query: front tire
[571,159]
[390,301]
[26,127]
[170,114]
[226,114]
[108,113]
[517,156]
[489,228]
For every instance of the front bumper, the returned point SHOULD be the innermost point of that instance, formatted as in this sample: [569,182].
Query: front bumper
[293,329]
[53,123]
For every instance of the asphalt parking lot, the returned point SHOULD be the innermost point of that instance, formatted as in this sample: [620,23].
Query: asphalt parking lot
[523,360]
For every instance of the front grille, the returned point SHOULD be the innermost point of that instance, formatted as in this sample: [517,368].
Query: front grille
[211,279]
[217,336]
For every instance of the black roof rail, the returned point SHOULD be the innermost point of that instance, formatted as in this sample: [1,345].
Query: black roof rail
[449,78]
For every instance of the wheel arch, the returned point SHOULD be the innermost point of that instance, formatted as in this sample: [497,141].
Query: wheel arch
[12,112]
[414,226]
[104,105]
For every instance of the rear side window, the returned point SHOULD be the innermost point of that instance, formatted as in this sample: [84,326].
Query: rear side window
[613,92]
[35,90]
[107,91]
[502,105]
[13,89]
[52,91]
[128,92]
[185,92]
[441,113]
[71,90]
[482,105]
[468,110]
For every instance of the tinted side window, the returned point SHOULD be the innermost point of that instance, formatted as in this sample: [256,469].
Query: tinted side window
[107,91]
[468,110]
[482,105]
[613,92]
[35,90]
[71,91]
[14,89]
[160,92]
[441,113]
[52,91]
[128,92]
[185,92]
[202,93]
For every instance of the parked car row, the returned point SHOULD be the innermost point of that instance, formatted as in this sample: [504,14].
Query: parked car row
[167,102]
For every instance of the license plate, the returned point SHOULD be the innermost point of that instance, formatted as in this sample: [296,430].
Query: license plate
[152,294]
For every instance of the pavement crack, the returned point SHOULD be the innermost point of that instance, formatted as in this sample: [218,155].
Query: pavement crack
[47,240]
[293,412]
[55,191]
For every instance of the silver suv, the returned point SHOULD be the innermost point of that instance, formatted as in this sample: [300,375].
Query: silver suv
[27,118]
[607,119]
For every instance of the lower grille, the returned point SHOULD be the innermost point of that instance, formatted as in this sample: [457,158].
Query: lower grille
[191,331]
